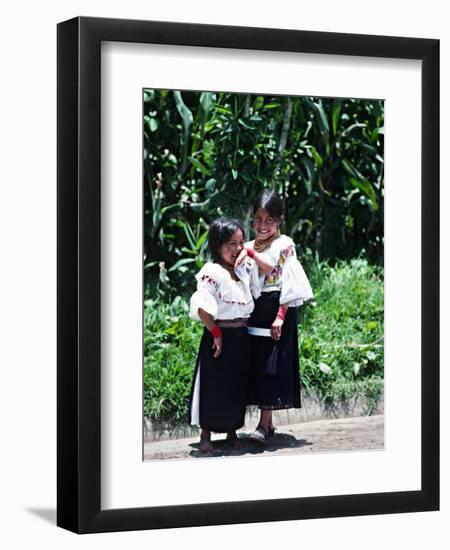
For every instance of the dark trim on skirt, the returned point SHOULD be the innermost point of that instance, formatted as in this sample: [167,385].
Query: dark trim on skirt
[224,381]
[275,366]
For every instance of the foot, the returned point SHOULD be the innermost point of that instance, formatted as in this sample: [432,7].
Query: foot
[236,443]
[206,446]
[259,435]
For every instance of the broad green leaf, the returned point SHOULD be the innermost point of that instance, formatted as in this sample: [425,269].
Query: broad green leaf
[272,105]
[148,95]
[317,158]
[206,101]
[320,115]
[201,240]
[200,167]
[223,110]
[259,102]
[352,127]
[187,119]
[210,185]
[185,113]
[351,169]
[245,125]
[366,189]
[323,118]
[369,148]
[181,262]
[336,110]
[189,235]
[309,166]
[153,124]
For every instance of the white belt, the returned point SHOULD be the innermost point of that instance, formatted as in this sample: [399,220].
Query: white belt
[256,331]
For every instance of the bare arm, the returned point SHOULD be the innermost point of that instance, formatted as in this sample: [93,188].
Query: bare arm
[206,319]
[275,329]
[262,262]
[209,323]
[260,259]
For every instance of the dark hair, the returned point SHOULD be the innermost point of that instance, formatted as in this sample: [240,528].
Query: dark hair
[221,231]
[271,202]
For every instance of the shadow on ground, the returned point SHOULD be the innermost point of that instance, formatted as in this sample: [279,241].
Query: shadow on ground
[223,448]
[46,514]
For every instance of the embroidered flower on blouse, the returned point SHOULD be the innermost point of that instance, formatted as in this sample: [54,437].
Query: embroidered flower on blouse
[209,280]
[285,254]
[233,302]
[230,301]
[273,278]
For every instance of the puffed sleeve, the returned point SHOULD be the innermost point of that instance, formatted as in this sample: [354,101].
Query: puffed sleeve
[295,287]
[255,281]
[205,295]
[248,273]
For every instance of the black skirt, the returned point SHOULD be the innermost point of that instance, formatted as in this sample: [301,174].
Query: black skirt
[219,391]
[274,365]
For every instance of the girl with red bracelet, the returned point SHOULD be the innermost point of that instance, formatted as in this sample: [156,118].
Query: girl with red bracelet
[274,371]
[223,302]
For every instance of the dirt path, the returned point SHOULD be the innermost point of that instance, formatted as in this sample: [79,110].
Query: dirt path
[342,434]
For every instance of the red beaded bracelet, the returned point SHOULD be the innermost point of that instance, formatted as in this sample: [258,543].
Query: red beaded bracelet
[216,332]
[281,313]
[250,252]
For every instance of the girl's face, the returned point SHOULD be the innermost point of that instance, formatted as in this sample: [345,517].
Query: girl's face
[265,226]
[231,249]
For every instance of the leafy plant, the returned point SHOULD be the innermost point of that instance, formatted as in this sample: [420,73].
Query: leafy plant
[344,330]
[209,154]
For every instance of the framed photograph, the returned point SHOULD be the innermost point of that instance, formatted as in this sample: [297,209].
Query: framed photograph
[165,128]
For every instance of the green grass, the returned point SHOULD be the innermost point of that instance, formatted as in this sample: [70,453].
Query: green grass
[341,342]
[342,331]
[171,342]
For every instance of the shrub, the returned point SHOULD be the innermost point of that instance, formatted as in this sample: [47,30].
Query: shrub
[341,335]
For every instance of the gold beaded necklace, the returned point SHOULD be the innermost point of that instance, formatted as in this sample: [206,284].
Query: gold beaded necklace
[260,246]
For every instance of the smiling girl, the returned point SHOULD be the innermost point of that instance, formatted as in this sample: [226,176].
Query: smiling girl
[223,302]
[275,378]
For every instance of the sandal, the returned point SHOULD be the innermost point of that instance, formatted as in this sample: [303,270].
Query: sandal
[258,435]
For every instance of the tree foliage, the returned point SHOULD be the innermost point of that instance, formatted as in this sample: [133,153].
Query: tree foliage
[208,154]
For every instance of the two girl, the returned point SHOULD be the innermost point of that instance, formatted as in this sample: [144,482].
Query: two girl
[249,350]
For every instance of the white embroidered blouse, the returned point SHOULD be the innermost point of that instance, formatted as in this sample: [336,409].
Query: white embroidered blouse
[287,274]
[221,296]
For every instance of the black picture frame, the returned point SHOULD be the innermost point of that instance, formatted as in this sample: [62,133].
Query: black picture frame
[79,276]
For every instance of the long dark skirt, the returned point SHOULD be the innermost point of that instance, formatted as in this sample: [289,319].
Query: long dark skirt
[274,372]
[220,386]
